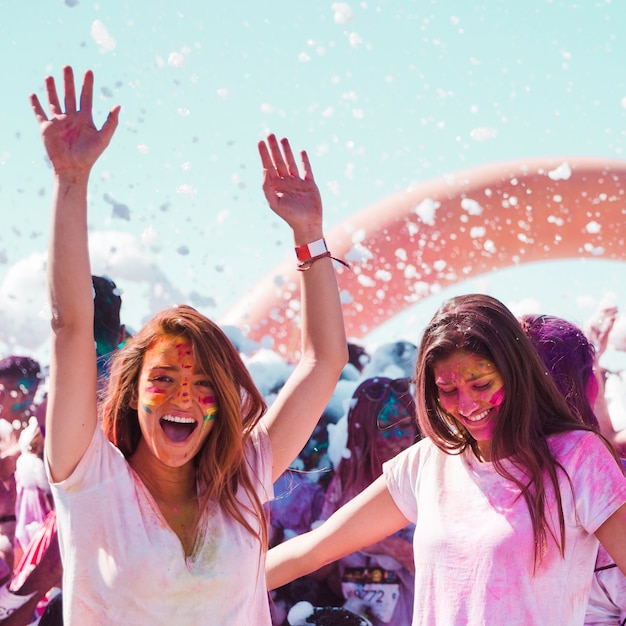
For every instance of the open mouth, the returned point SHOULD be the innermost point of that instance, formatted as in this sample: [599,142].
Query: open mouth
[177,428]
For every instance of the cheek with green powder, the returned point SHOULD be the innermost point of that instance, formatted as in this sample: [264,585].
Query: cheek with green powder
[209,408]
[154,397]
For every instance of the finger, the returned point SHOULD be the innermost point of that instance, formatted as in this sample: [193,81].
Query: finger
[277,156]
[70,90]
[86,94]
[266,159]
[109,126]
[40,114]
[306,166]
[292,167]
[53,98]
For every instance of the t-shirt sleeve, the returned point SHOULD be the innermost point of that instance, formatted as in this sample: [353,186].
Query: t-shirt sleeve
[401,475]
[598,482]
[259,455]
[101,459]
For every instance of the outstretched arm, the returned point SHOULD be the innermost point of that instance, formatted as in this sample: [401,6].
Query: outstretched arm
[366,519]
[73,144]
[301,402]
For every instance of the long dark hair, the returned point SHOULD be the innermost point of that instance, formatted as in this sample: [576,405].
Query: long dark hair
[220,464]
[532,410]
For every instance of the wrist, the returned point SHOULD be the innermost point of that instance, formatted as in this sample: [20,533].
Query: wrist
[303,236]
[72,176]
[311,249]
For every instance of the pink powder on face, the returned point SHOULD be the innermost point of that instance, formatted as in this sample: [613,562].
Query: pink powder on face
[498,397]
[208,400]
[210,408]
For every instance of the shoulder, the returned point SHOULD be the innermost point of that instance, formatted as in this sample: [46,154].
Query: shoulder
[413,458]
[576,443]
[258,455]
[259,440]
[101,460]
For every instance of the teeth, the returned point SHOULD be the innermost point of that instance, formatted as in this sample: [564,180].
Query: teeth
[178,419]
[477,418]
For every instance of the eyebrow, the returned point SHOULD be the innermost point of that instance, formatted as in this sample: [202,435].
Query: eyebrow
[472,379]
[176,368]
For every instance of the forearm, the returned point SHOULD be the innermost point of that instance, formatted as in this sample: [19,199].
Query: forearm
[366,519]
[323,331]
[71,412]
[69,272]
[292,559]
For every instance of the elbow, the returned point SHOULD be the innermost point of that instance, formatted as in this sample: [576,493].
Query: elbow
[339,360]
[333,360]
[340,357]
[68,323]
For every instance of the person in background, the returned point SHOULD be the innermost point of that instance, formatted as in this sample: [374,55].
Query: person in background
[160,512]
[570,358]
[108,331]
[598,329]
[20,377]
[376,582]
[509,491]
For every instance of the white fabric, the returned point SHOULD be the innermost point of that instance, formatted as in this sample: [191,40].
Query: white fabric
[607,599]
[473,542]
[122,564]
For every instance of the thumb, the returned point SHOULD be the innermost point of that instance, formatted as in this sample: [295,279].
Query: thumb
[109,126]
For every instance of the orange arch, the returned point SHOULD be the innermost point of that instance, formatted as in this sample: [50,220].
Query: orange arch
[447,230]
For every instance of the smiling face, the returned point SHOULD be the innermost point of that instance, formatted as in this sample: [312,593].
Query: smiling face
[471,390]
[176,405]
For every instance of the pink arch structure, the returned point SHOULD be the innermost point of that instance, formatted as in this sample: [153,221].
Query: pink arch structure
[448,230]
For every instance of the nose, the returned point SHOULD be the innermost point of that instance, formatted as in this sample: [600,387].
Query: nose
[467,404]
[183,396]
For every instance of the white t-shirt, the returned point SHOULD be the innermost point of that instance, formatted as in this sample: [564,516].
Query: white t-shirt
[607,598]
[122,563]
[473,542]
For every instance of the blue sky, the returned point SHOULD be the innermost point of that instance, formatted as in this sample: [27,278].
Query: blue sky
[383,95]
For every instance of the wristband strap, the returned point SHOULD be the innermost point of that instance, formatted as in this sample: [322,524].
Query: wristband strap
[311,250]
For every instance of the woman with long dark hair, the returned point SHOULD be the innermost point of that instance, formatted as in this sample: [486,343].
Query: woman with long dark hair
[508,490]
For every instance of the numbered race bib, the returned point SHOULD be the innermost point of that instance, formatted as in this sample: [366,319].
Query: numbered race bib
[373,587]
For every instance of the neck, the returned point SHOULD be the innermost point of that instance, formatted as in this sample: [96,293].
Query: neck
[482,451]
[165,483]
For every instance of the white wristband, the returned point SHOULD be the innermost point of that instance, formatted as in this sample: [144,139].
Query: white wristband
[310,250]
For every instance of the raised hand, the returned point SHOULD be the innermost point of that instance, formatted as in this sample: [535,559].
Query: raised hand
[71,139]
[599,327]
[293,197]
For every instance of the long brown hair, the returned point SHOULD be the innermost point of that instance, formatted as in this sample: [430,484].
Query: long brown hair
[220,464]
[532,410]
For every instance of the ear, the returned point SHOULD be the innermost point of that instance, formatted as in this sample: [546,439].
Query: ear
[133,401]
